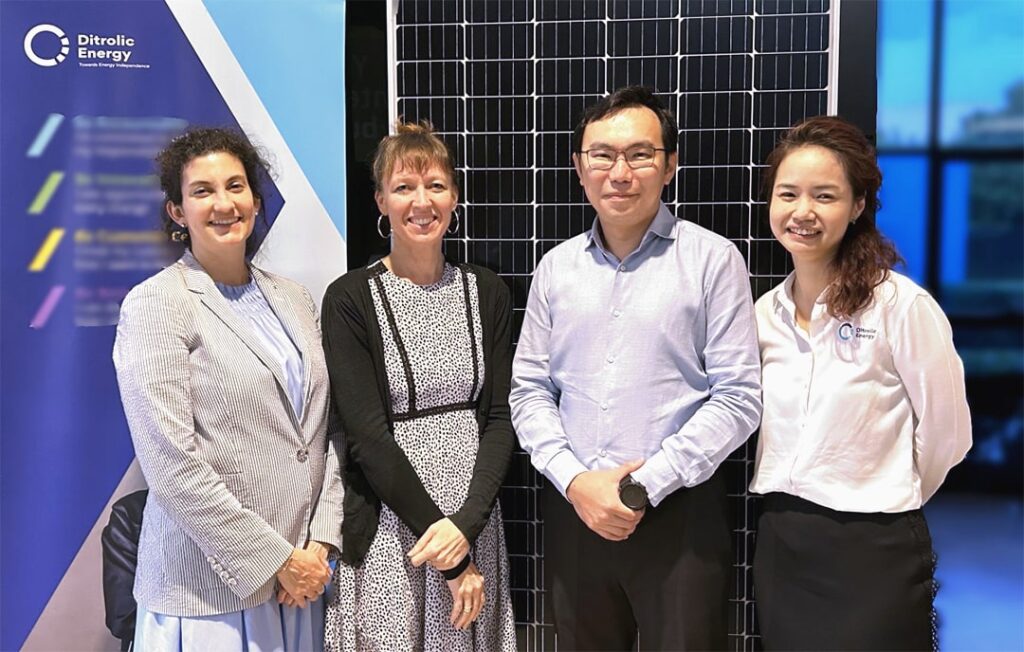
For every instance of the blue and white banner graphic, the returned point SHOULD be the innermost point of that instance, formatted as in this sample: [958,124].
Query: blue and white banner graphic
[91,91]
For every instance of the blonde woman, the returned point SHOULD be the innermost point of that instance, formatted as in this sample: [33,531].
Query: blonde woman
[419,354]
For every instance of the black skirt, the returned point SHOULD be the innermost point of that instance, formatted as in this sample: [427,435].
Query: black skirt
[828,580]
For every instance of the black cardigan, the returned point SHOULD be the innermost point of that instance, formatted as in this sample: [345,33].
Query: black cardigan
[374,467]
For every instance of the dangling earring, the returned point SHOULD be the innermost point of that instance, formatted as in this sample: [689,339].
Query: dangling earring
[380,227]
[455,222]
[180,234]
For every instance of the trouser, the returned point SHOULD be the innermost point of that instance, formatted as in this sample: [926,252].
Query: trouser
[669,579]
[828,580]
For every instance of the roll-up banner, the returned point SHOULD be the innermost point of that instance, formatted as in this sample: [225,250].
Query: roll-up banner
[90,91]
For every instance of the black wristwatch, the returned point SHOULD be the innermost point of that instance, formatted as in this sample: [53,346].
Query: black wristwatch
[632,494]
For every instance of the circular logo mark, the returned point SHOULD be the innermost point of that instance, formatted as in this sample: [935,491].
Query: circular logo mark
[65,45]
[846,331]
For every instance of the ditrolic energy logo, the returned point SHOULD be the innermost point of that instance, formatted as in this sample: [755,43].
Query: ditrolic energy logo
[65,45]
[92,51]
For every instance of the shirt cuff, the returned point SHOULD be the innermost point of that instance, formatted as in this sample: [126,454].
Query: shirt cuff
[562,468]
[453,573]
[658,478]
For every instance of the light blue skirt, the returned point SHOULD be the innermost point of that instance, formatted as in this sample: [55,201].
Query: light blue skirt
[270,627]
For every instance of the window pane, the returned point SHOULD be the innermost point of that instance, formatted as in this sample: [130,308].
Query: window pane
[904,59]
[981,271]
[983,73]
[902,218]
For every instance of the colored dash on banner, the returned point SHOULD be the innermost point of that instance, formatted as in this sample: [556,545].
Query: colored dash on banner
[49,245]
[45,135]
[45,193]
[47,306]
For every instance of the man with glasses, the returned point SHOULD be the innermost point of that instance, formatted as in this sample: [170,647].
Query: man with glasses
[636,374]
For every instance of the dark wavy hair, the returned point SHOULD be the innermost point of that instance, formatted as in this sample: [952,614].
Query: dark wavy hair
[629,97]
[865,256]
[199,141]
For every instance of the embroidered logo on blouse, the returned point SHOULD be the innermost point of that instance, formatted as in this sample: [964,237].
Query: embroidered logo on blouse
[848,331]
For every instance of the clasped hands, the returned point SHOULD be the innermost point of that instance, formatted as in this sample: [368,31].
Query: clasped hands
[444,546]
[595,497]
[304,575]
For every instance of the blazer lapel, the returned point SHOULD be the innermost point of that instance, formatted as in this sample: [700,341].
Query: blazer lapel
[198,281]
[286,310]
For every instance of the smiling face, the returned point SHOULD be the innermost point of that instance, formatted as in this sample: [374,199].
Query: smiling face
[623,197]
[418,204]
[812,204]
[217,204]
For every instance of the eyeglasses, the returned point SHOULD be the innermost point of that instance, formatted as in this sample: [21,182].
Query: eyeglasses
[636,157]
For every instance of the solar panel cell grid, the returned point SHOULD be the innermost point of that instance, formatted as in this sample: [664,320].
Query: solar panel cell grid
[504,81]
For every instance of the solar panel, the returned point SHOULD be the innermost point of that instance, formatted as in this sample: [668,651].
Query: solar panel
[505,80]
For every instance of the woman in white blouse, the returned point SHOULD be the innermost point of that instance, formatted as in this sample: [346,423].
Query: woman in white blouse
[864,412]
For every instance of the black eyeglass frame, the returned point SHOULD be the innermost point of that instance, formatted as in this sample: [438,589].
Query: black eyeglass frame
[622,153]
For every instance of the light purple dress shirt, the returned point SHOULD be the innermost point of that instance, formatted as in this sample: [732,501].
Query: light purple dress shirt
[249,303]
[652,357]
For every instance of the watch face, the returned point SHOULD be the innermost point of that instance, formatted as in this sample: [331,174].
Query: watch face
[633,496]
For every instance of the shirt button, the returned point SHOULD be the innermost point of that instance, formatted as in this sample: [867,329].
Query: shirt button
[604,406]
[603,453]
[611,358]
[302,455]
[622,268]
[616,313]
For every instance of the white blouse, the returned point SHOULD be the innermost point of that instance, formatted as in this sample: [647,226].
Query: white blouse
[860,415]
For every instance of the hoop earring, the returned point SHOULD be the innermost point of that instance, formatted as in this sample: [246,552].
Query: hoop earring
[455,221]
[381,219]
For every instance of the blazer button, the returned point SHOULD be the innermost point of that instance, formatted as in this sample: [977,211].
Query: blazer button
[302,455]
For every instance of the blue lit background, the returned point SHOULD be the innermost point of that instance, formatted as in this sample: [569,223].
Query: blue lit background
[951,147]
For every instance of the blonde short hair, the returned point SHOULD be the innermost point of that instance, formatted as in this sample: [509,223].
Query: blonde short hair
[415,146]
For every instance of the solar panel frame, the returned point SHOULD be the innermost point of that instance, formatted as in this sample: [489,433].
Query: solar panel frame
[504,81]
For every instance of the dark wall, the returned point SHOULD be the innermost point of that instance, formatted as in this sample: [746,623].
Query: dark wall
[366,103]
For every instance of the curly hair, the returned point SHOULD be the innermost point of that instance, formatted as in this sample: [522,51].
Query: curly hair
[416,146]
[865,256]
[629,97]
[199,141]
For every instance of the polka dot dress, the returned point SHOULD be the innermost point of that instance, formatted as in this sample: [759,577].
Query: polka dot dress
[434,357]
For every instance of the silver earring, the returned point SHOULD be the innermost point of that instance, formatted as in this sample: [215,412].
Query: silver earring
[455,222]
[380,227]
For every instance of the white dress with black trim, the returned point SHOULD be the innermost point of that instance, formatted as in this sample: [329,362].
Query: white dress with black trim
[433,352]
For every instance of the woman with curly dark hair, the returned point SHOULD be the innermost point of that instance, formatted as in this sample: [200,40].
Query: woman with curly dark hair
[864,411]
[224,385]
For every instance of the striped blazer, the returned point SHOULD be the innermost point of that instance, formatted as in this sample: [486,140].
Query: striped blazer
[236,478]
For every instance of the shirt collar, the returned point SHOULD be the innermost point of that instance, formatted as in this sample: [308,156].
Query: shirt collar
[662,226]
[783,299]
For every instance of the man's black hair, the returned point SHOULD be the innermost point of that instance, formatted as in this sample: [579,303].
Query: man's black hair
[625,98]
